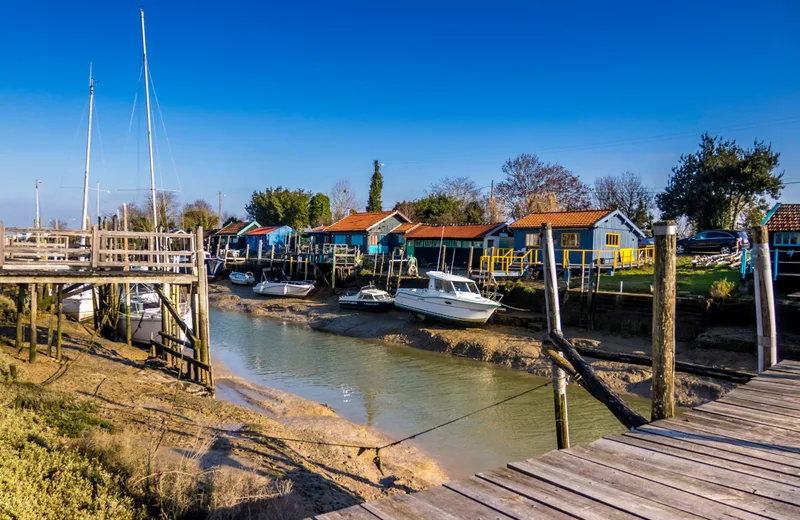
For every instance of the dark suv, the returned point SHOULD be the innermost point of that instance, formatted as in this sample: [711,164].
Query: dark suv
[714,241]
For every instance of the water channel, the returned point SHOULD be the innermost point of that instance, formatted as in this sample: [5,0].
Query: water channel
[402,390]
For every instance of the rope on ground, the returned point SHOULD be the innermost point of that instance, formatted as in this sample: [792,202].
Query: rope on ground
[515,308]
[377,449]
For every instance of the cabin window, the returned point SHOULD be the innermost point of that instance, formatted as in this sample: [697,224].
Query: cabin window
[441,285]
[466,287]
[373,240]
[456,243]
[612,239]
[570,239]
[787,239]
[356,240]
[531,239]
[427,243]
[477,243]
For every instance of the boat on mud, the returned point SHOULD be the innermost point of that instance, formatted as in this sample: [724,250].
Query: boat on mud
[79,306]
[146,315]
[283,288]
[369,298]
[450,298]
[242,278]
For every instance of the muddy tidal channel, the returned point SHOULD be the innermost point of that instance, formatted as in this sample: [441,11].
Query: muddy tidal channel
[401,390]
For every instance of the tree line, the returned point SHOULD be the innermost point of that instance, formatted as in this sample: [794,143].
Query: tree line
[721,185]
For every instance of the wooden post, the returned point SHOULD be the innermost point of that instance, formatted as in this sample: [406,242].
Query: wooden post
[444,261]
[664,321]
[767,334]
[557,375]
[247,253]
[380,273]
[20,316]
[333,270]
[34,304]
[204,333]
[59,320]
[305,270]
[260,247]
[469,262]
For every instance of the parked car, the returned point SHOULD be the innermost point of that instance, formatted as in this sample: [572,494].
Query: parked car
[647,242]
[721,241]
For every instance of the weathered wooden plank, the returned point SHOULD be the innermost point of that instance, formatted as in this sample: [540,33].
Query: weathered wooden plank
[759,406]
[655,472]
[501,499]
[561,475]
[554,496]
[727,447]
[101,277]
[688,504]
[714,475]
[711,457]
[457,504]
[351,513]
[756,416]
[748,394]
[771,438]
[402,507]
[778,376]
[775,387]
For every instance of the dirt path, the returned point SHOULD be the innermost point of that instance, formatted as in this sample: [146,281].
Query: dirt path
[146,404]
[516,347]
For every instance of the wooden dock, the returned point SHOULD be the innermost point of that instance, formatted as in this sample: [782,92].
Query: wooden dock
[738,457]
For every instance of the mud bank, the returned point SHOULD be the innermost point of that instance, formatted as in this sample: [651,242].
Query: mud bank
[515,347]
[248,429]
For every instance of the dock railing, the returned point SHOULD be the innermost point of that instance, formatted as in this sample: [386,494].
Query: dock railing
[510,262]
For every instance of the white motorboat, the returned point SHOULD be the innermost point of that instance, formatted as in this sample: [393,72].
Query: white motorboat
[79,306]
[285,288]
[146,315]
[242,278]
[449,298]
[369,298]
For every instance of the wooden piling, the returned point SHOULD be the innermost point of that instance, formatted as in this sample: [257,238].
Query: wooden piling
[469,262]
[59,319]
[767,334]
[20,316]
[305,270]
[34,305]
[664,321]
[444,261]
[558,377]
[203,333]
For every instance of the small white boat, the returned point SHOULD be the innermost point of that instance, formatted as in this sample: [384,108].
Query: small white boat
[146,315]
[79,306]
[285,288]
[213,266]
[369,298]
[242,278]
[448,298]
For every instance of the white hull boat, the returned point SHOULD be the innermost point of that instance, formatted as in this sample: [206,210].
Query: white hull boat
[79,306]
[286,289]
[242,278]
[146,316]
[369,298]
[450,298]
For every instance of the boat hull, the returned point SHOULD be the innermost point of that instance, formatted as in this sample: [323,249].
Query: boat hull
[462,313]
[148,325]
[283,290]
[79,307]
[370,306]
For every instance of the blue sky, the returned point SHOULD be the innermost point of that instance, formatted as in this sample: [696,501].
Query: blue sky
[305,93]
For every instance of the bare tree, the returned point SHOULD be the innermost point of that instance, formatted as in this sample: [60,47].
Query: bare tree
[627,193]
[494,209]
[408,208]
[57,223]
[168,209]
[463,189]
[544,202]
[527,175]
[199,213]
[343,199]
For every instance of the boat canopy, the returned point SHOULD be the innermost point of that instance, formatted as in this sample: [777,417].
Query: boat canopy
[450,283]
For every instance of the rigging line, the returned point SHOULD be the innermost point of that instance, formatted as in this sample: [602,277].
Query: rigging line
[621,142]
[164,126]
[133,110]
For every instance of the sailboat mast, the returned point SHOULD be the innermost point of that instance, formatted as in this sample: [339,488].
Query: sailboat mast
[84,213]
[149,132]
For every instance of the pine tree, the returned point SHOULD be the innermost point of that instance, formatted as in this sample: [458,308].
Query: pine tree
[375,187]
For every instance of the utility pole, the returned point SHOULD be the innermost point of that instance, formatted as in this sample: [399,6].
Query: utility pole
[98,200]
[219,210]
[492,209]
[85,212]
[38,216]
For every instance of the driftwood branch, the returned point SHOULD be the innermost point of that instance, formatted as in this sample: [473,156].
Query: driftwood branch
[597,387]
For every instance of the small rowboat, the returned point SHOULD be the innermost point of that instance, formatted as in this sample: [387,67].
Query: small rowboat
[242,278]
[369,298]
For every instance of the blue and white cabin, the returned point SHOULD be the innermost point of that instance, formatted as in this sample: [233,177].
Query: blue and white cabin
[372,232]
[268,236]
[783,225]
[582,237]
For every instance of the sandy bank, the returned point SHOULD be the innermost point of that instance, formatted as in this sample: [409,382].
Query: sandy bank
[147,405]
[516,347]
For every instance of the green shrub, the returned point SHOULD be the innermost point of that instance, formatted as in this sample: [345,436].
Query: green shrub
[722,289]
[66,415]
[8,310]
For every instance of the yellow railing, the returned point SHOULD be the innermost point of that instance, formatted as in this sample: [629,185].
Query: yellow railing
[502,260]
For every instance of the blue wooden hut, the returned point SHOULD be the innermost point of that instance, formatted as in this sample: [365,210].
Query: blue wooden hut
[582,237]
[783,225]
[268,236]
[372,232]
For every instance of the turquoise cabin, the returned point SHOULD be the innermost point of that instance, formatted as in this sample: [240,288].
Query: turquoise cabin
[267,237]
[372,232]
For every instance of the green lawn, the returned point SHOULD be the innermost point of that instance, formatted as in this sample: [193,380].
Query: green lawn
[696,280]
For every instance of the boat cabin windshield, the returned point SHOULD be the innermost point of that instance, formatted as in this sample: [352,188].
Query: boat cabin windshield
[466,287]
[455,287]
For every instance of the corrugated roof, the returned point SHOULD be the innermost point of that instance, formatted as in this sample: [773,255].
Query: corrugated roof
[266,230]
[405,228]
[318,229]
[785,218]
[359,221]
[466,232]
[562,218]
[234,228]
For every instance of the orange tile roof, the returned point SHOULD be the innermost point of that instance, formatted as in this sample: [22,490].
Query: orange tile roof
[562,218]
[234,228]
[266,230]
[318,229]
[785,218]
[359,221]
[467,232]
[405,228]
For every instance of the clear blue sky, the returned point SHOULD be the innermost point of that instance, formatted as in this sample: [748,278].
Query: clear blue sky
[305,93]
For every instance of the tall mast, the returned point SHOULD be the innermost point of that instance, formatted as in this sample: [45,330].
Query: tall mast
[149,133]
[84,213]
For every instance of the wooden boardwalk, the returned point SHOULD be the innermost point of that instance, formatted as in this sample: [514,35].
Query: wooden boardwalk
[738,457]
